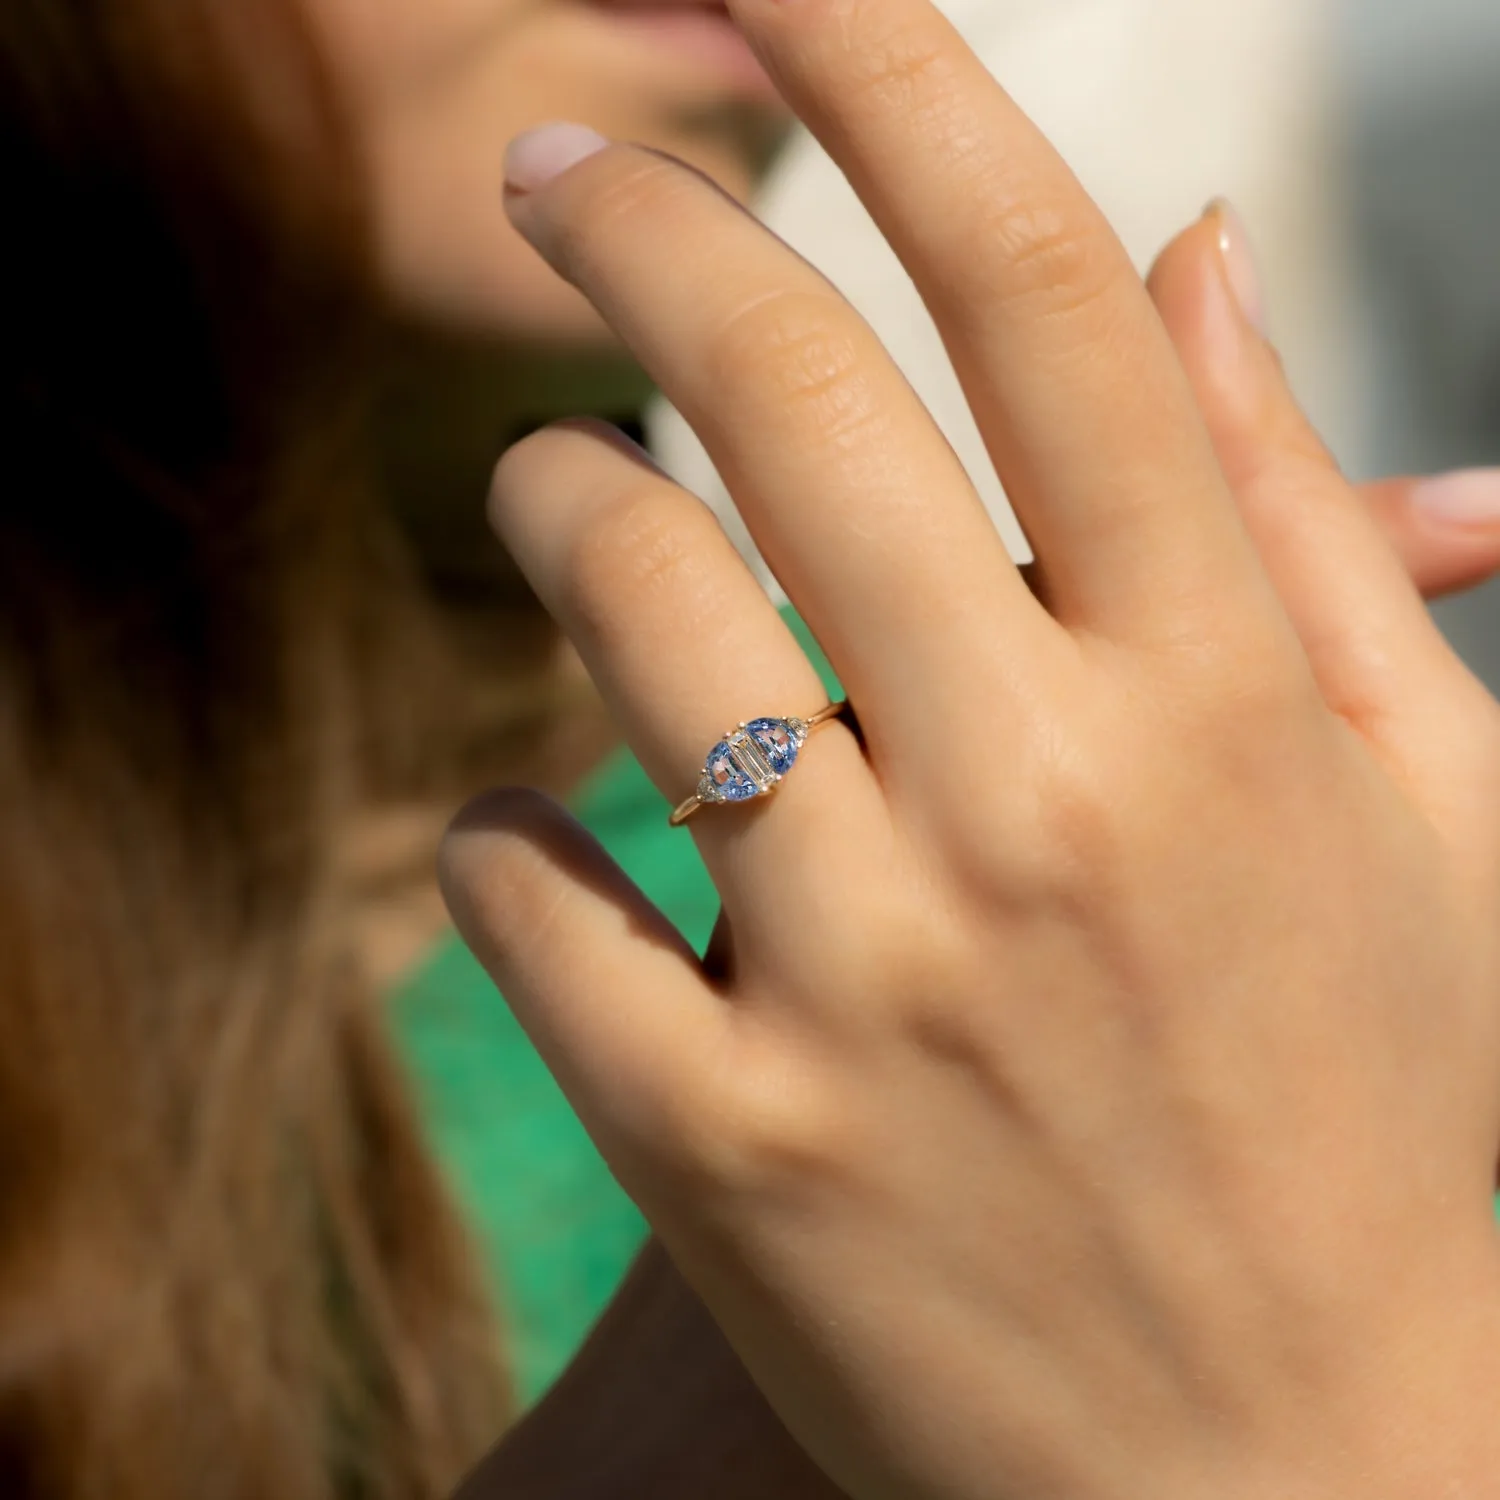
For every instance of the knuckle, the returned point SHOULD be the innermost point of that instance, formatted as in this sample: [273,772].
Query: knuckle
[927,977]
[1055,264]
[804,354]
[1028,841]
[648,542]
[1077,832]
[896,69]
[760,1122]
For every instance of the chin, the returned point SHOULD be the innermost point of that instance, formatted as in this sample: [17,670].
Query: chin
[556,316]
[511,298]
[735,147]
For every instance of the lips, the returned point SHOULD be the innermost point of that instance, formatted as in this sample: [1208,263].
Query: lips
[713,6]
[714,9]
[699,34]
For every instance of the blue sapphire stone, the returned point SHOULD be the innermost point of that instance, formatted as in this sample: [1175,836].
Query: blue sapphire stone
[776,740]
[724,773]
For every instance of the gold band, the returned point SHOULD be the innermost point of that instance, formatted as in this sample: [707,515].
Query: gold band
[751,765]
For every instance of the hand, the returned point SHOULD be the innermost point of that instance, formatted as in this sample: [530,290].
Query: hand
[1258,429]
[1098,1091]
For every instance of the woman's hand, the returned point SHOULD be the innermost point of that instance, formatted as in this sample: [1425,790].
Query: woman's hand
[1096,1091]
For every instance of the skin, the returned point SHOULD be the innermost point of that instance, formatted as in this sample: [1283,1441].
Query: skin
[1093,1089]
[436,88]
[654,1433]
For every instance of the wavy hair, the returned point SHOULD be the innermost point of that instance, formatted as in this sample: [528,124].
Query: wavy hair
[228,1267]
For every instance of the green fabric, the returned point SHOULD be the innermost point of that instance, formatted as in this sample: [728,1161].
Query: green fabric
[556,1230]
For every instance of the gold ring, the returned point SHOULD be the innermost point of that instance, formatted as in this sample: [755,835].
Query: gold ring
[751,759]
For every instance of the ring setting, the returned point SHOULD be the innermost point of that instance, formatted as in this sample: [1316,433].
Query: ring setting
[751,760]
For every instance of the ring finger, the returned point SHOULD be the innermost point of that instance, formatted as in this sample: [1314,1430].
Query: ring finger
[682,643]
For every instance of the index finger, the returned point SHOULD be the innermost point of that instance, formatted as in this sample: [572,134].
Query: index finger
[1072,378]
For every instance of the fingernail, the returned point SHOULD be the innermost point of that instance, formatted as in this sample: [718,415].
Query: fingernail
[1467,497]
[1239,261]
[534,159]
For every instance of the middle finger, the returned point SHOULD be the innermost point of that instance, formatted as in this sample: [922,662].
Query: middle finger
[1070,375]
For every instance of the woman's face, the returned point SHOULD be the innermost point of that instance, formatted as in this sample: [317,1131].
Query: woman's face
[438,87]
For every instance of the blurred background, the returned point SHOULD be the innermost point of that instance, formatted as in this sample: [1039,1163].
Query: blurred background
[1422,122]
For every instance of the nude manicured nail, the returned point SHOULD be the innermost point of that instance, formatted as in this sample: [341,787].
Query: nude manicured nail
[1468,497]
[534,159]
[1239,261]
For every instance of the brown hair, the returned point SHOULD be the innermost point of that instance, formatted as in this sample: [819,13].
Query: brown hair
[227,1266]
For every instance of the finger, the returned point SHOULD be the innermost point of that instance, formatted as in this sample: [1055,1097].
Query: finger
[610,995]
[1070,376]
[682,643]
[855,498]
[1446,529]
[1380,661]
